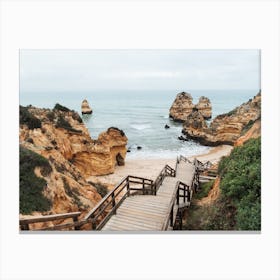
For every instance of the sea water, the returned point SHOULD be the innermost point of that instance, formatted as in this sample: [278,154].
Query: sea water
[142,115]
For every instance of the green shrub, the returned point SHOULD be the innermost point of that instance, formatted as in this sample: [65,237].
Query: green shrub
[218,216]
[204,189]
[101,189]
[239,205]
[247,127]
[62,123]
[77,117]
[73,193]
[31,186]
[61,108]
[51,115]
[228,114]
[25,117]
[241,183]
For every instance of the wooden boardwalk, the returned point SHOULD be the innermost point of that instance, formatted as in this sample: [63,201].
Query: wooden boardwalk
[152,212]
[138,204]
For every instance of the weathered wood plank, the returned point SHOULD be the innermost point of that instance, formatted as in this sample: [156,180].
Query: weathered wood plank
[139,219]
[145,204]
[130,223]
[142,213]
[39,219]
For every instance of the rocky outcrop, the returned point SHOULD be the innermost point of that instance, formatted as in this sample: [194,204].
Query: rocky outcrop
[62,138]
[204,107]
[183,106]
[86,108]
[225,128]
[253,130]
[101,157]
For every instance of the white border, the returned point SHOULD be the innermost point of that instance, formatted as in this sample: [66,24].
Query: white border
[156,24]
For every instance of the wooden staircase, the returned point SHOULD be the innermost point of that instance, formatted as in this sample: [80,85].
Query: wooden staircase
[155,212]
[139,204]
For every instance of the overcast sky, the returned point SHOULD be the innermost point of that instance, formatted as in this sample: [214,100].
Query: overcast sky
[60,70]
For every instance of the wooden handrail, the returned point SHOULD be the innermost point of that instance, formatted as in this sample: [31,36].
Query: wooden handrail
[180,186]
[102,211]
[24,223]
[182,158]
[166,171]
[100,214]
[108,206]
[187,194]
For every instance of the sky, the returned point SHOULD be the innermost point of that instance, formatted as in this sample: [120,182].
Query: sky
[87,70]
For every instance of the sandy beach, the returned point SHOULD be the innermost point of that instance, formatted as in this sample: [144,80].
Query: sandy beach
[150,168]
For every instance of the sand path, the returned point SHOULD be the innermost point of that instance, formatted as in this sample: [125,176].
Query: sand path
[150,168]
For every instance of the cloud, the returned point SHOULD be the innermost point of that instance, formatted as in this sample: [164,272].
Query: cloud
[138,69]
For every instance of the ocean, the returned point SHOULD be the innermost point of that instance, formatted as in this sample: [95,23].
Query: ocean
[142,115]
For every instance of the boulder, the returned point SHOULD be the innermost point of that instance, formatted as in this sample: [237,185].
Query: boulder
[166,126]
[86,108]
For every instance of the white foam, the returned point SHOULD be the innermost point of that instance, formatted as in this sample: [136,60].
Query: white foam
[140,126]
[167,154]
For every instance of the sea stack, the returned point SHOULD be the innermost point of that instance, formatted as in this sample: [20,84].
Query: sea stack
[183,106]
[204,107]
[86,108]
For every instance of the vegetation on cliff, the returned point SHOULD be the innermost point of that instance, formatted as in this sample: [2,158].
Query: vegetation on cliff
[61,108]
[56,158]
[239,204]
[31,187]
[27,118]
[101,189]
[63,123]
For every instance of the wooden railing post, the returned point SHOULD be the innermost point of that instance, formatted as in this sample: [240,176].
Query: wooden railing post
[171,216]
[93,225]
[189,194]
[180,220]
[75,219]
[184,193]
[24,227]
[143,185]
[127,186]
[113,202]
[177,196]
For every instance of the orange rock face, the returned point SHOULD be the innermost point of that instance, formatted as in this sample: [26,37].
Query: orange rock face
[183,106]
[226,128]
[204,107]
[253,132]
[73,155]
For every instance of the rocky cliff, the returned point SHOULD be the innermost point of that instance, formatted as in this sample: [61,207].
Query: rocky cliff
[60,136]
[225,128]
[182,107]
